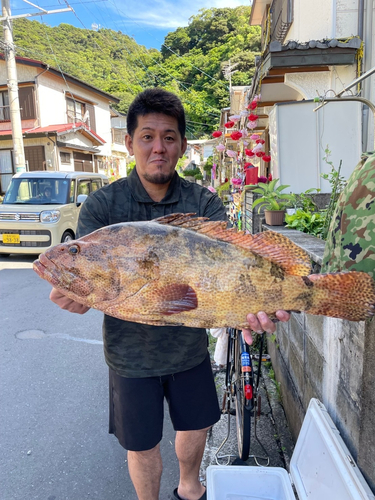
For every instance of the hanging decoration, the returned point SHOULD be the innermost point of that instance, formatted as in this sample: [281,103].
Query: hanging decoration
[236,135]
[248,149]
[252,124]
[231,153]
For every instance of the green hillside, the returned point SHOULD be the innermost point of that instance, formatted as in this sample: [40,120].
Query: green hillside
[190,62]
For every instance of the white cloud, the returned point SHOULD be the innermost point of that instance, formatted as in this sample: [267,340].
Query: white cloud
[166,14]
[160,14]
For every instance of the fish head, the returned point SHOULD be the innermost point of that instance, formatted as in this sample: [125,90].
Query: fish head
[81,269]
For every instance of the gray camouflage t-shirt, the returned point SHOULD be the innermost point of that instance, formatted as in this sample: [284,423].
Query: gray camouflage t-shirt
[132,349]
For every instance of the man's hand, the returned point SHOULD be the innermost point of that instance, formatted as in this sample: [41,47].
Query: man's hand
[65,303]
[260,323]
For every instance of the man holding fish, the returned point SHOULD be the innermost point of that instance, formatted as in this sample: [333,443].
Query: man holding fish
[148,362]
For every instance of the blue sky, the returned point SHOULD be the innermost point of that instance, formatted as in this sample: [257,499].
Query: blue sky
[147,21]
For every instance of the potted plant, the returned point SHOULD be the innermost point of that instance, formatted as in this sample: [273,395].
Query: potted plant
[198,178]
[273,201]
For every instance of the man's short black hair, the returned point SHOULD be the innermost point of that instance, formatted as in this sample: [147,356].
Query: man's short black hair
[156,100]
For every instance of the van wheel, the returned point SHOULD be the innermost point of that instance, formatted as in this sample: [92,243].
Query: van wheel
[66,237]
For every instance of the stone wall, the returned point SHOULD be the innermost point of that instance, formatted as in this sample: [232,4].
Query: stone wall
[332,360]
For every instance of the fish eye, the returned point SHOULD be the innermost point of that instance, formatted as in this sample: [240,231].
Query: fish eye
[74,249]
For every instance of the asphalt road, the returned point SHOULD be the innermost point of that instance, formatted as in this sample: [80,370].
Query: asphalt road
[54,441]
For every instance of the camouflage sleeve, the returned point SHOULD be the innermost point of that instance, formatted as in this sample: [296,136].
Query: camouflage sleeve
[350,243]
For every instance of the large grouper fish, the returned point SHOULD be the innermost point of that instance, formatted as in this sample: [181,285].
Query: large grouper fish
[185,270]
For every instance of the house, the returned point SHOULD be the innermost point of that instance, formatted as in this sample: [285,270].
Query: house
[316,50]
[66,123]
[312,51]
[115,164]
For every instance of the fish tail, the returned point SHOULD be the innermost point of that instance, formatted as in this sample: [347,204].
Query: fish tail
[345,295]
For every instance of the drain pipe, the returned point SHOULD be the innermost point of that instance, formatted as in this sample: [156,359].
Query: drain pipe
[361,13]
[367,62]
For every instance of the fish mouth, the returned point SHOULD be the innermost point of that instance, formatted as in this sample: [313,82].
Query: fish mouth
[44,267]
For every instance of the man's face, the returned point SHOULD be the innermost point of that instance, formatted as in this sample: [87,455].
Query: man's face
[157,146]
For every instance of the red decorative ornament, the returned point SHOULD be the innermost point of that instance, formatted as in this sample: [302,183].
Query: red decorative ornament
[252,117]
[260,141]
[217,133]
[269,177]
[266,158]
[249,152]
[260,154]
[236,135]
[262,179]
[229,125]
[252,105]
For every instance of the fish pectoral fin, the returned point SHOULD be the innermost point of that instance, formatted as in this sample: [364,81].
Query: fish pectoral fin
[175,298]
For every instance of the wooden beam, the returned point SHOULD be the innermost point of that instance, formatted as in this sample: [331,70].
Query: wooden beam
[272,79]
[301,69]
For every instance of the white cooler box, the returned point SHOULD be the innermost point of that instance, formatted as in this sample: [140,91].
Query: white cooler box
[321,468]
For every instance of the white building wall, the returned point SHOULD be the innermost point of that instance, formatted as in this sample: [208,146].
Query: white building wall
[311,20]
[103,126]
[24,73]
[53,90]
[51,97]
[323,19]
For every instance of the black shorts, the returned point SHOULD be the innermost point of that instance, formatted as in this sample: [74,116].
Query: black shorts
[136,405]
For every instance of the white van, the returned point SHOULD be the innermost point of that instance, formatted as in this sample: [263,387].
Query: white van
[40,209]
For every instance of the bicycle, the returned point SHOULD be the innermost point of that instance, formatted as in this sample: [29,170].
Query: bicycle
[242,388]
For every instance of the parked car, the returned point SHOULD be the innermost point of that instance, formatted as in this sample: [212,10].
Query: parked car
[40,209]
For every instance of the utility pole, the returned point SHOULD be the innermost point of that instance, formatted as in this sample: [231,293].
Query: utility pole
[14,103]
[228,72]
[10,60]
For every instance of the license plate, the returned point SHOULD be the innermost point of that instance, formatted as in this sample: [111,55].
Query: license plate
[11,238]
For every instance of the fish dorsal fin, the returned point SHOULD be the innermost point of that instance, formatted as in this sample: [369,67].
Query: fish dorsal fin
[270,245]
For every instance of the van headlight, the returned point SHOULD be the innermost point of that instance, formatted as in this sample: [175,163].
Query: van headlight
[50,216]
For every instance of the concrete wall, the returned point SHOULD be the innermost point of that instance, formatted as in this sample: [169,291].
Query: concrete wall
[332,360]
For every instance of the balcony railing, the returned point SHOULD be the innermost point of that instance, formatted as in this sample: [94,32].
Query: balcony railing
[276,22]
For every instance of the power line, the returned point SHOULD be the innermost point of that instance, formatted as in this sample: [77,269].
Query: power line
[178,55]
[157,77]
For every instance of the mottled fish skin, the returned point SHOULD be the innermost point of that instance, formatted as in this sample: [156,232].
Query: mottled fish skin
[180,270]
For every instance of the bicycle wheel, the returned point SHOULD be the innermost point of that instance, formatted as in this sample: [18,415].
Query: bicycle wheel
[243,398]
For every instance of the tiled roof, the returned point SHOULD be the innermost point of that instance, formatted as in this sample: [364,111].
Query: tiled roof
[58,130]
[352,43]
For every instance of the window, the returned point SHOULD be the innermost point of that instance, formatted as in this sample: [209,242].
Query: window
[4,106]
[72,189]
[95,185]
[118,136]
[64,157]
[83,187]
[75,110]
[26,100]
[6,169]
[31,191]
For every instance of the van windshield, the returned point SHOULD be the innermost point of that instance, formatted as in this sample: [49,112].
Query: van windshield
[38,191]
